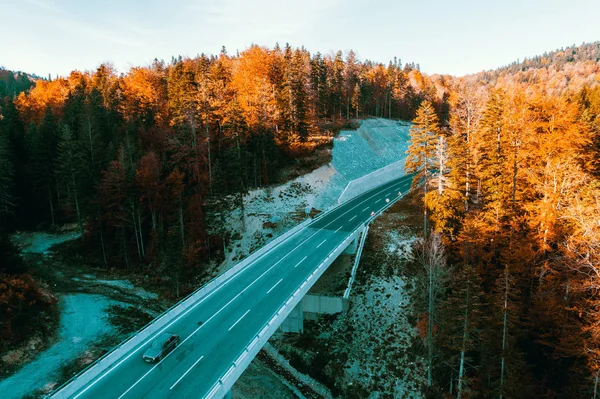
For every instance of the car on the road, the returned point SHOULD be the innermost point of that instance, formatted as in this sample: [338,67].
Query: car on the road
[161,346]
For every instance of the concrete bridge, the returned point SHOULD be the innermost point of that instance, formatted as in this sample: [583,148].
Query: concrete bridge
[225,323]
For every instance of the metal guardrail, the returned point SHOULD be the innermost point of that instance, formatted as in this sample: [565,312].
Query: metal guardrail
[362,243]
[363,238]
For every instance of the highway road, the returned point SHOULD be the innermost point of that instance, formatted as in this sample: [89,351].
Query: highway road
[215,331]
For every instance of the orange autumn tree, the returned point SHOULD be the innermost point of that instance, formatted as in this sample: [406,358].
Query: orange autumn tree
[144,91]
[552,169]
[254,90]
[33,104]
[255,94]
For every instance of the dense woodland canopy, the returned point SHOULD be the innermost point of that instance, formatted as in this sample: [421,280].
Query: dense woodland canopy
[512,186]
[147,162]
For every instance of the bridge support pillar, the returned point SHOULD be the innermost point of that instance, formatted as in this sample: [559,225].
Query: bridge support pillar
[295,320]
[351,248]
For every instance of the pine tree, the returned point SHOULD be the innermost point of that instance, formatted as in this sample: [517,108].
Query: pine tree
[299,96]
[467,112]
[148,179]
[337,85]
[11,127]
[319,85]
[421,153]
[236,162]
[430,260]
[492,169]
[69,168]
[356,101]
[350,81]
[43,153]
[181,89]
[283,76]
[204,109]
[7,200]
[112,192]
[462,320]
[509,359]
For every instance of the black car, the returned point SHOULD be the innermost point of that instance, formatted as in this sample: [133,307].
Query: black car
[162,345]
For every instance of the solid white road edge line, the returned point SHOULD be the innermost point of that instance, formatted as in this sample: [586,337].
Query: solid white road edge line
[277,283]
[182,342]
[153,337]
[188,370]
[240,319]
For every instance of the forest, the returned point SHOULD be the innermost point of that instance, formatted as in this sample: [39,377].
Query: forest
[147,162]
[510,189]
[507,164]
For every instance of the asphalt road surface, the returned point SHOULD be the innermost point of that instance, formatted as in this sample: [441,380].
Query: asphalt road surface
[215,331]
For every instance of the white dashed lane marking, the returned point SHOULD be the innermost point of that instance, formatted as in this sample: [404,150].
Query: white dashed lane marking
[298,264]
[275,285]
[240,319]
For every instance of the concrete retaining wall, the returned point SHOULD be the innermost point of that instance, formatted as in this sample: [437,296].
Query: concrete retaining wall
[323,304]
[113,357]
[294,323]
[372,180]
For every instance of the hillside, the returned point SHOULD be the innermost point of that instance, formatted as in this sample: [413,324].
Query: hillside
[557,59]
[557,72]
[14,83]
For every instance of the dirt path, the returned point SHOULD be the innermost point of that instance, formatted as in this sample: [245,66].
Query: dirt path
[83,321]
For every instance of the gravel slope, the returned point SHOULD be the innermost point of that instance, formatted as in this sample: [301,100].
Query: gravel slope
[355,153]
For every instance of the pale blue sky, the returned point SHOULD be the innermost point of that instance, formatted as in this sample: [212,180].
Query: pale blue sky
[455,37]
